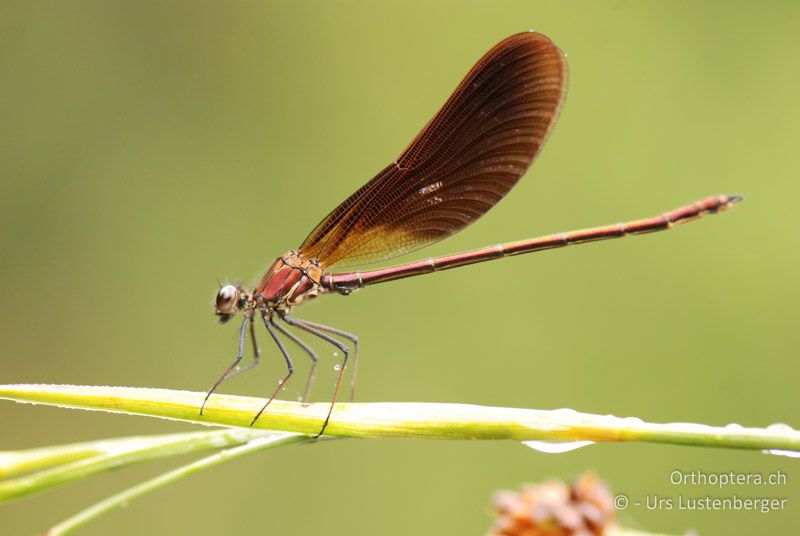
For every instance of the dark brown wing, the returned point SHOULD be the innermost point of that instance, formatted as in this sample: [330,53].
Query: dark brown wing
[460,165]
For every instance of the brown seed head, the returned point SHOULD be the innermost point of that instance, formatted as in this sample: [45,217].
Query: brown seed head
[585,508]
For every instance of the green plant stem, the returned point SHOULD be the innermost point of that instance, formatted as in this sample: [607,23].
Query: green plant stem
[124,497]
[419,420]
[120,453]
[13,463]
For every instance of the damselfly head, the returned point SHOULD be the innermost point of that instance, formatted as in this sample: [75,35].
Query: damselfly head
[228,302]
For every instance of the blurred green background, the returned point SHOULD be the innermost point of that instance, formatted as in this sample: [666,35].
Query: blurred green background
[149,149]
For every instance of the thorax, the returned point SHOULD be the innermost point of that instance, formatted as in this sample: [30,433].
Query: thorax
[290,280]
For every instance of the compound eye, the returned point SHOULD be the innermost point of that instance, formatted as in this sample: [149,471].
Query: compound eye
[227,300]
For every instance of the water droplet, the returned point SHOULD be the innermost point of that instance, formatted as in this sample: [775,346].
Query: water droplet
[787,453]
[780,427]
[335,354]
[280,382]
[556,447]
[564,413]
[337,367]
[632,421]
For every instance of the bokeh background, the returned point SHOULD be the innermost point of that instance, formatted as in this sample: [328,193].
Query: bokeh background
[149,149]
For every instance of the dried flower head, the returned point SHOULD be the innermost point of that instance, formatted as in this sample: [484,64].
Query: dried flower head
[585,508]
